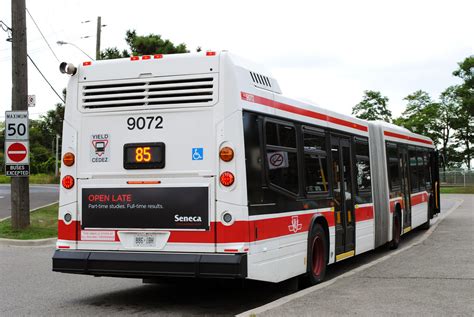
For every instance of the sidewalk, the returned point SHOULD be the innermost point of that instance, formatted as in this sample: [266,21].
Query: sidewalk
[435,277]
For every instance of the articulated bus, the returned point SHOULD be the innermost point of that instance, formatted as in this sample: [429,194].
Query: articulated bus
[197,165]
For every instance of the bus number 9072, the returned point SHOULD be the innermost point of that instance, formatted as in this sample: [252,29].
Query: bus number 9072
[140,123]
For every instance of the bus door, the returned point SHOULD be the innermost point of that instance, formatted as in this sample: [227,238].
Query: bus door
[434,171]
[403,159]
[343,193]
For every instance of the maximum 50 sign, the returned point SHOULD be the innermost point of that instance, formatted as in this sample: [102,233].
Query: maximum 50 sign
[16,144]
[16,125]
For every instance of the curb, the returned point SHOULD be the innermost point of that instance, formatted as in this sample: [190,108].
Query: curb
[284,300]
[28,243]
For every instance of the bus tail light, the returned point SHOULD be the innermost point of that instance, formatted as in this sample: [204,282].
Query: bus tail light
[226,154]
[227,179]
[69,159]
[68,182]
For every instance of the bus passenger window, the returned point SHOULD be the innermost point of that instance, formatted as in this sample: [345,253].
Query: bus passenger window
[315,163]
[413,170]
[364,182]
[281,156]
[393,168]
[421,171]
[427,169]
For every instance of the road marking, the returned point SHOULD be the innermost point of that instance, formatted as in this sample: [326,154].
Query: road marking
[281,301]
[2,197]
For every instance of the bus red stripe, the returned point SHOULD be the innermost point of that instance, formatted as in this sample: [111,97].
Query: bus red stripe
[364,213]
[303,112]
[240,231]
[419,199]
[406,137]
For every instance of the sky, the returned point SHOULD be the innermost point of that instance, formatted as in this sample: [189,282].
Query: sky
[327,52]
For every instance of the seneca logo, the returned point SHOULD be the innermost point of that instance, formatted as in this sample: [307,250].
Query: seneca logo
[178,218]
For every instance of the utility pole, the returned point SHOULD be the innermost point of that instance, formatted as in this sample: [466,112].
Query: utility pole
[20,193]
[97,45]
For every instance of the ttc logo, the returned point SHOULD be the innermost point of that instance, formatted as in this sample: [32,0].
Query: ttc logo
[295,225]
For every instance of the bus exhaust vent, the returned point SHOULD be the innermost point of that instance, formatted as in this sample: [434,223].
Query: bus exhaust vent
[265,82]
[176,91]
[261,80]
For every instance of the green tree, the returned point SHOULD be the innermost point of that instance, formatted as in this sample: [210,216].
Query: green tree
[144,45]
[421,115]
[52,122]
[464,123]
[113,53]
[466,90]
[372,107]
[448,115]
[152,44]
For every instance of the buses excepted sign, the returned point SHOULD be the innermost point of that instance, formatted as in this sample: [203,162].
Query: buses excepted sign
[17,158]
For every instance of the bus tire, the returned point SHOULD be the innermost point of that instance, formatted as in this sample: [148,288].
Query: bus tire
[396,230]
[317,255]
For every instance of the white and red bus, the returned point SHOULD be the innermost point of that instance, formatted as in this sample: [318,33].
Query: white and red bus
[196,165]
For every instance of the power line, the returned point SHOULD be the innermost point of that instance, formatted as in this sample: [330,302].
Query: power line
[28,11]
[7,29]
[45,79]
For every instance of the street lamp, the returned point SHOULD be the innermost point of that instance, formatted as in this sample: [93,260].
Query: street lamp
[64,43]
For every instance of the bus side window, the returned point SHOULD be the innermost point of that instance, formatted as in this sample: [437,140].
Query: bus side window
[421,169]
[427,169]
[281,156]
[413,170]
[393,169]
[315,161]
[364,181]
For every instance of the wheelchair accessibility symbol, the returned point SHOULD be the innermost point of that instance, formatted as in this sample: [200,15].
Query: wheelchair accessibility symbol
[198,154]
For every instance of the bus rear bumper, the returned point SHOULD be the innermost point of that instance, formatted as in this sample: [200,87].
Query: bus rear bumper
[147,265]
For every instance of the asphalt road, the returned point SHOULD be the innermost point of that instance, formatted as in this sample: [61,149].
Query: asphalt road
[40,195]
[432,278]
[27,286]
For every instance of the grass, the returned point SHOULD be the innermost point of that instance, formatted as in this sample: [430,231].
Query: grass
[43,224]
[457,190]
[34,179]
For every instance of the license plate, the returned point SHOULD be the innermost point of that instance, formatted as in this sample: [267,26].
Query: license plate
[145,240]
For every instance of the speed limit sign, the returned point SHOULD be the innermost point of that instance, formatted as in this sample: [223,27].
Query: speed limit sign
[16,125]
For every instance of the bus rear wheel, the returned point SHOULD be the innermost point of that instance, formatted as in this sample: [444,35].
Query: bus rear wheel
[317,255]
